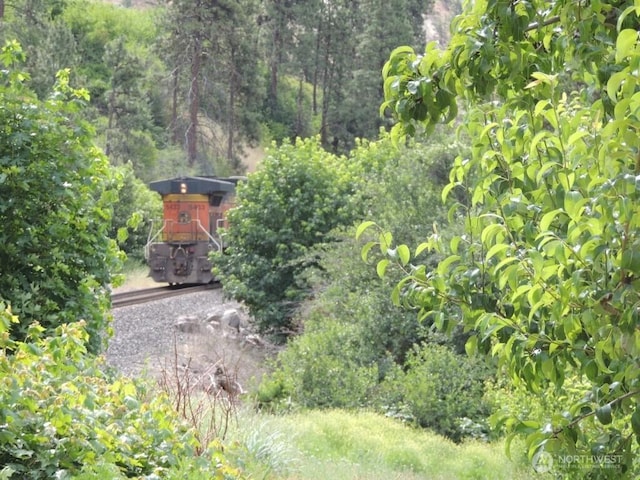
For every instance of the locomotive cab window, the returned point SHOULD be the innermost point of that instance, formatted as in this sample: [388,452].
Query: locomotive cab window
[215,200]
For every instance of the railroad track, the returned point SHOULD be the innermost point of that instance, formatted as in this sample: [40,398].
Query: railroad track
[135,297]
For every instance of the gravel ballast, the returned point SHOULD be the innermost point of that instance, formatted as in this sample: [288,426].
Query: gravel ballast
[185,330]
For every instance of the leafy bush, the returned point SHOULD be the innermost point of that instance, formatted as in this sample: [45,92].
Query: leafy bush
[516,411]
[547,268]
[61,415]
[401,193]
[352,330]
[136,207]
[443,391]
[321,369]
[403,182]
[56,257]
[298,195]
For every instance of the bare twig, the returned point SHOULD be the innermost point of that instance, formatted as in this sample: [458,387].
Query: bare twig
[198,399]
[544,23]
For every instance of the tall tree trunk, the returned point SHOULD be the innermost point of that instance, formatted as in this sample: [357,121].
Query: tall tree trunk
[327,73]
[230,125]
[111,120]
[316,67]
[232,110]
[299,112]
[275,63]
[194,99]
[174,106]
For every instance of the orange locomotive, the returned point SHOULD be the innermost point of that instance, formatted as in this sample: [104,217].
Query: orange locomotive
[195,209]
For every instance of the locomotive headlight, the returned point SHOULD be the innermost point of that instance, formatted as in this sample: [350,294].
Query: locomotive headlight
[183,188]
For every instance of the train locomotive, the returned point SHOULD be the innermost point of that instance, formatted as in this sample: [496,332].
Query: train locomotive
[194,212]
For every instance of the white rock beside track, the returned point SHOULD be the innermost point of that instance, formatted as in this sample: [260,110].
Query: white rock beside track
[186,331]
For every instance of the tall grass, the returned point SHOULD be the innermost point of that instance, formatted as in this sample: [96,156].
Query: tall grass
[339,445]
[136,276]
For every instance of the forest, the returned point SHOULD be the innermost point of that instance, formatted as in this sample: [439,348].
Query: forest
[443,234]
[183,85]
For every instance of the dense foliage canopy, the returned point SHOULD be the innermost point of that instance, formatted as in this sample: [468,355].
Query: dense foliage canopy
[56,257]
[546,274]
[185,87]
[299,194]
[359,350]
[197,83]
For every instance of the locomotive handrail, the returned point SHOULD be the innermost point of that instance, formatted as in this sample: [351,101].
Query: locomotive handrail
[218,245]
[197,223]
[150,239]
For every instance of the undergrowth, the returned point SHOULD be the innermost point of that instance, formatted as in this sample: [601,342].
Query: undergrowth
[343,445]
[64,415]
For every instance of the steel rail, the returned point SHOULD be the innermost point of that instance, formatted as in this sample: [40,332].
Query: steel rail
[136,297]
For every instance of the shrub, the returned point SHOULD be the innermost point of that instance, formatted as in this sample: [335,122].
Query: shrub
[61,415]
[443,391]
[56,257]
[299,194]
[321,369]
[345,292]
[547,269]
[515,410]
[352,329]
[136,207]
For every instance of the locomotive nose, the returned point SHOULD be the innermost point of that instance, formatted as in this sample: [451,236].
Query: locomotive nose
[194,210]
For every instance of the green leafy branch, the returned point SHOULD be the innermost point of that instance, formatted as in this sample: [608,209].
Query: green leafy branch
[547,273]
